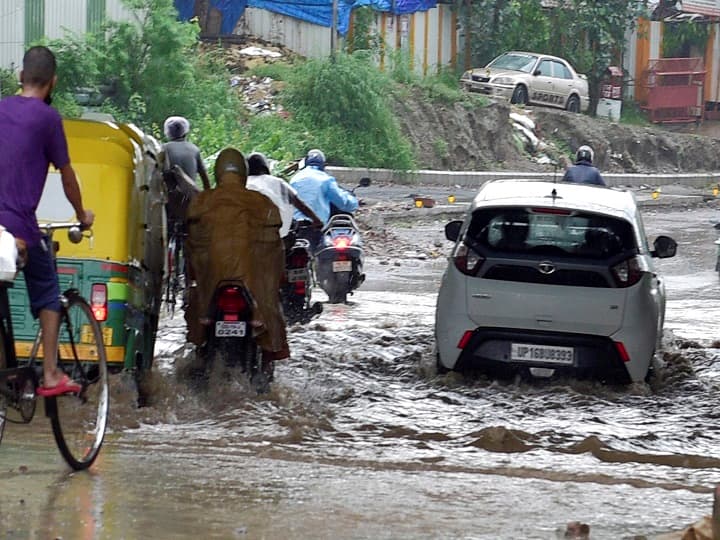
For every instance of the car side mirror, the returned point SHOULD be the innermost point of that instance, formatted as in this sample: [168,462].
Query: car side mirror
[364,182]
[452,230]
[665,247]
[536,72]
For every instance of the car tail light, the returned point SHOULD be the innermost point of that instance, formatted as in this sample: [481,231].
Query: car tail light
[341,242]
[231,302]
[627,273]
[465,339]
[622,351]
[466,260]
[98,301]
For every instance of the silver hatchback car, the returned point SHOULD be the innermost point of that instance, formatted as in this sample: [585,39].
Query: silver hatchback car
[551,279]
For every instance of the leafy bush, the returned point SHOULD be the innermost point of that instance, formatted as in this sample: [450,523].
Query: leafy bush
[344,106]
[148,69]
[8,82]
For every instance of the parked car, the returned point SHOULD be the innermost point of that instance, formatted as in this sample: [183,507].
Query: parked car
[530,78]
[551,279]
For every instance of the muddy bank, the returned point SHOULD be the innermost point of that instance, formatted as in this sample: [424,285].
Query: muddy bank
[460,137]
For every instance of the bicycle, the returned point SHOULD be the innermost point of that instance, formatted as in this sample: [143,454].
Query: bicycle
[175,280]
[78,420]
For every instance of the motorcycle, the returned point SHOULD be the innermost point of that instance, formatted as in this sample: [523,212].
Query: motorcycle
[230,342]
[339,256]
[296,287]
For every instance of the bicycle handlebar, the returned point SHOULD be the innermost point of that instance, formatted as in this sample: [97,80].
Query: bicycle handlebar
[75,230]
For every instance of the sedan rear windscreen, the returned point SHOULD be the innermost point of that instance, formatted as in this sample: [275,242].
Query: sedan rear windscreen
[550,232]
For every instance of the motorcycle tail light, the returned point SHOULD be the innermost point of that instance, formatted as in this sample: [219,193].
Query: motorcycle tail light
[299,287]
[466,260]
[231,301]
[627,273]
[98,301]
[298,260]
[341,242]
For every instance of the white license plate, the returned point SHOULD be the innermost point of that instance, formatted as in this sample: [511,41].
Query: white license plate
[230,328]
[297,274]
[526,352]
[342,266]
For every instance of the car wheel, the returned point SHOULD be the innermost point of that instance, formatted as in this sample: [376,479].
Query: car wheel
[573,104]
[520,95]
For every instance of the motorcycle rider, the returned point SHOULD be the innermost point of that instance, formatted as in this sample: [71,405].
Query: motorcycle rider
[583,171]
[278,191]
[233,233]
[319,190]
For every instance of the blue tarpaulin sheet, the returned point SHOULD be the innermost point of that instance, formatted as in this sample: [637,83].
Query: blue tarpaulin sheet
[313,11]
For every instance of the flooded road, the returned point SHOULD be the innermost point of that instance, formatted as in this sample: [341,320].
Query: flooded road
[360,438]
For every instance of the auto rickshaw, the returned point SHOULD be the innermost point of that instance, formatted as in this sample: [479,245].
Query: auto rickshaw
[120,271]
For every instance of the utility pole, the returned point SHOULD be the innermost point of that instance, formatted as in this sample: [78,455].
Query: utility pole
[333,30]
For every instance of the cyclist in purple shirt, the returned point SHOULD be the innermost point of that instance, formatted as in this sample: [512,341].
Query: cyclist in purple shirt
[32,137]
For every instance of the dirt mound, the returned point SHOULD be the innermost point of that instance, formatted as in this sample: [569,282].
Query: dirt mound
[458,137]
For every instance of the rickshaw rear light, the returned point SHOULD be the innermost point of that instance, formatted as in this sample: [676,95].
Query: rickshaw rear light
[231,300]
[98,301]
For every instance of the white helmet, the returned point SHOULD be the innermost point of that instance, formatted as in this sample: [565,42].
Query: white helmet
[176,127]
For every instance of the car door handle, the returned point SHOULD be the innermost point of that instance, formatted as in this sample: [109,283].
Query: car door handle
[484,296]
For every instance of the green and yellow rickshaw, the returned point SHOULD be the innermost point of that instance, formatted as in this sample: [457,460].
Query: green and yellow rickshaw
[120,271]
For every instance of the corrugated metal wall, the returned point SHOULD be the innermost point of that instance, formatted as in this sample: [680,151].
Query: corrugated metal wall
[12,32]
[25,21]
[65,16]
[429,37]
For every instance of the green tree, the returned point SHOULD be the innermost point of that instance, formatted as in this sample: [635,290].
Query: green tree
[150,68]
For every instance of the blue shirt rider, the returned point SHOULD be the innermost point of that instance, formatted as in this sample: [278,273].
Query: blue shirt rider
[583,171]
[319,190]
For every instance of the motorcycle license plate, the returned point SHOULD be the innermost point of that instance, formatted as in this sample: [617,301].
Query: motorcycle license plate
[342,266]
[297,274]
[230,328]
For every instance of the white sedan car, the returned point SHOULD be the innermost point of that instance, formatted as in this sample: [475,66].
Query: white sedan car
[551,278]
[530,78]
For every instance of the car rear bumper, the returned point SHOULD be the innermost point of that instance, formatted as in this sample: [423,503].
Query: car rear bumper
[489,350]
[488,89]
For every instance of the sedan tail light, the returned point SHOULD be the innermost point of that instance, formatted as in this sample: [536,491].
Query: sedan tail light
[467,260]
[627,273]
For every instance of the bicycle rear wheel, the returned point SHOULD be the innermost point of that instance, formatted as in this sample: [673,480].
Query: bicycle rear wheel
[79,421]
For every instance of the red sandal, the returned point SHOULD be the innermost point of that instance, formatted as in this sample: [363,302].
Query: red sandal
[65,386]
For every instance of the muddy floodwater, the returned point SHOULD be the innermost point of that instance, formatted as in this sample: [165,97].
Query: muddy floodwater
[360,438]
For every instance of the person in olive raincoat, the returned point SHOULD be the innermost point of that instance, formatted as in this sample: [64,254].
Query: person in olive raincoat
[233,233]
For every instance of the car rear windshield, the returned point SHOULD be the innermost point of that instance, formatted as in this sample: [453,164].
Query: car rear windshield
[515,62]
[549,232]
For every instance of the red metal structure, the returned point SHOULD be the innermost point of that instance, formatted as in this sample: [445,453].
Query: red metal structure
[674,89]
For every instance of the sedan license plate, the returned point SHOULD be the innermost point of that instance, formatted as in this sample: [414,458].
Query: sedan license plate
[342,266]
[549,354]
[297,274]
[230,328]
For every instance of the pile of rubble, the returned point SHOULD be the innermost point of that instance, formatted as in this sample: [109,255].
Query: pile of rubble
[258,94]
[526,135]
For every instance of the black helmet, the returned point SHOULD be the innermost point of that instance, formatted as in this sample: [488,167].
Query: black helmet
[585,153]
[257,164]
